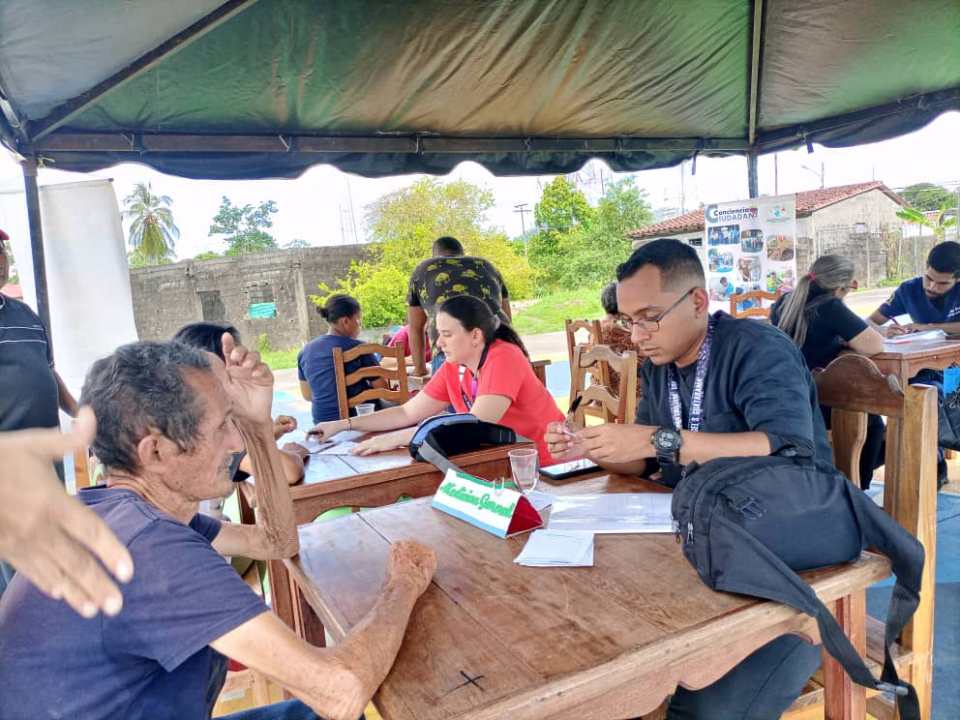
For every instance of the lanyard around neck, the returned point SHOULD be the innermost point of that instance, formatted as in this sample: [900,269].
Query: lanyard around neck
[696,399]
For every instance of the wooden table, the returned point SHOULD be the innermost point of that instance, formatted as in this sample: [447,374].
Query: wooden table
[332,481]
[491,640]
[915,357]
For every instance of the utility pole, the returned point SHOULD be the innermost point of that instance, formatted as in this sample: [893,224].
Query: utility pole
[683,197]
[522,209]
[776,176]
[821,174]
[353,214]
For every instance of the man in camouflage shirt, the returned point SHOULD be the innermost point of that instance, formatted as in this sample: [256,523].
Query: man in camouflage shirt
[445,275]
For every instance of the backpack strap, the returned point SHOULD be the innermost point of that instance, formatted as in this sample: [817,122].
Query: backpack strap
[785,586]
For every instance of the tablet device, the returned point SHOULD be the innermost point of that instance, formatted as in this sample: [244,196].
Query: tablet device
[565,470]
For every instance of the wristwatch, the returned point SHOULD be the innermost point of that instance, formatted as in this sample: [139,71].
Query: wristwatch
[667,442]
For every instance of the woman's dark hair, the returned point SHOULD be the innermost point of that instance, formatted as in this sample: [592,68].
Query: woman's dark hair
[608,298]
[206,336]
[339,306]
[474,313]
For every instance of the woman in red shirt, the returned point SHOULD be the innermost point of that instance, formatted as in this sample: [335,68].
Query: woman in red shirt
[487,372]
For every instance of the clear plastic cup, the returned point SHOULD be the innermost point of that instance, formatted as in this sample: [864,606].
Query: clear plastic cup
[366,408]
[524,464]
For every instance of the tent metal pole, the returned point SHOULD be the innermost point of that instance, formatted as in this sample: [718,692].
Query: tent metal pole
[756,45]
[752,181]
[71,108]
[29,166]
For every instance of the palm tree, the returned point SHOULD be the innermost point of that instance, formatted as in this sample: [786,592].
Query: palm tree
[152,232]
[939,223]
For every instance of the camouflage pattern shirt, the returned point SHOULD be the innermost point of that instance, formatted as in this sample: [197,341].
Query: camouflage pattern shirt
[437,279]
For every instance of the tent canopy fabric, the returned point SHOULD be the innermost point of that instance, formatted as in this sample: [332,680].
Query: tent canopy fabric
[246,89]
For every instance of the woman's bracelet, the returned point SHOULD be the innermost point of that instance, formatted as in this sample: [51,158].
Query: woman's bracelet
[350,423]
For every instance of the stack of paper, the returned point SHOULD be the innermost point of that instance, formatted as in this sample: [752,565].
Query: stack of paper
[549,548]
[916,337]
[613,513]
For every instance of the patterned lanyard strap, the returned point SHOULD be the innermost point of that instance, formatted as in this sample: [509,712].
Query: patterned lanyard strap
[696,399]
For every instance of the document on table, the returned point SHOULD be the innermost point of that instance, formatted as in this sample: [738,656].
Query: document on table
[916,337]
[613,513]
[549,548]
[540,500]
[340,444]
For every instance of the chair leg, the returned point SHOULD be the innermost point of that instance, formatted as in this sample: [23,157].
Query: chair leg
[843,698]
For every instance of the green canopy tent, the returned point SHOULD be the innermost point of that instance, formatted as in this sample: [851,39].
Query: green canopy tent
[247,89]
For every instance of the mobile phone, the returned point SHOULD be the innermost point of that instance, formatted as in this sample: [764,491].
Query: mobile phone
[565,470]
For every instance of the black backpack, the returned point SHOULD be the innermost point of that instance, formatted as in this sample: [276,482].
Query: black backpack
[742,520]
[439,437]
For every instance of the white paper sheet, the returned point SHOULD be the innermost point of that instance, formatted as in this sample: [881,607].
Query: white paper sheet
[613,513]
[549,548]
[917,337]
[540,500]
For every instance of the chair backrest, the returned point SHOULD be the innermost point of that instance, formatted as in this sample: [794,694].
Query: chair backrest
[396,375]
[853,386]
[620,408]
[573,327]
[755,296]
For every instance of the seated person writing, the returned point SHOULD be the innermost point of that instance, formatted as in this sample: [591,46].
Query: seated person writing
[486,372]
[168,422]
[713,387]
[819,322]
[315,362]
[208,336]
[932,302]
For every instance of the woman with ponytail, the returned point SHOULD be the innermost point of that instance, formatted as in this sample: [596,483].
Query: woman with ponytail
[821,324]
[487,372]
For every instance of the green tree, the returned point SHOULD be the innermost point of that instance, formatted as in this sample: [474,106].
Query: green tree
[592,252]
[945,217]
[152,233]
[562,210]
[136,259]
[927,196]
[296,243]
[207,255]
[244,228]
[402,227]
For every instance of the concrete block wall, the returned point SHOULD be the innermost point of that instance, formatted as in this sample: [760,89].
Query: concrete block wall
[167,297]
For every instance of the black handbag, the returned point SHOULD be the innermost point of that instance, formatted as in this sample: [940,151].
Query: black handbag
[748,524]
[948,425]
[439,437]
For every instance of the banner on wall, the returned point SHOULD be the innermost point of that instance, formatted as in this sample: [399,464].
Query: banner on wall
[750,245]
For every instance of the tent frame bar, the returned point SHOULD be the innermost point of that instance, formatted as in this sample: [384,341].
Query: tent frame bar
[755,50]
[410,144]
[68,110]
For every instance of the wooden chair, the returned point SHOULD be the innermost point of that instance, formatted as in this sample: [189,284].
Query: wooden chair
[599,374]
[852,386]
[620,408]
[757,310]
[397,374]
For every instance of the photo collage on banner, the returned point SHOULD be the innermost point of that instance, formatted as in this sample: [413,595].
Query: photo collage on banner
[749,245]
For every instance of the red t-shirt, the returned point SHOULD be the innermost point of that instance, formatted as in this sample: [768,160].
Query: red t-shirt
[402,338]
[506,372]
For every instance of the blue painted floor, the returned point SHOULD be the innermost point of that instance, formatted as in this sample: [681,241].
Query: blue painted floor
[946,642]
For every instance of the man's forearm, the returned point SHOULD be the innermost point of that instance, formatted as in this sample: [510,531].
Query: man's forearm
[701,447]
[372,645]
[275,517]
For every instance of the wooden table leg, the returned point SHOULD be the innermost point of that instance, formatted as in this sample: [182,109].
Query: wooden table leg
[281,594]
[844,699]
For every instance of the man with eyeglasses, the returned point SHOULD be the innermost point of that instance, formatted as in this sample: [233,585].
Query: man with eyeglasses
[713,386]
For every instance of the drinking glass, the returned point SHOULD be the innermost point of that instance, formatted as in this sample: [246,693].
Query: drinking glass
[525,468]
[365,409]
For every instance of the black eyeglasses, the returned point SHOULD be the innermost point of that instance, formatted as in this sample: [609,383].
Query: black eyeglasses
[653,325]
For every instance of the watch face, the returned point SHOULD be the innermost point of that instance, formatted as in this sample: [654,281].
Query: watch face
[666,439]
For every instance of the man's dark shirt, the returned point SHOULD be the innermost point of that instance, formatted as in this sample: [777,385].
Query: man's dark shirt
[757,381]
[29,396]
[438,279]
[153,661]
[830,325]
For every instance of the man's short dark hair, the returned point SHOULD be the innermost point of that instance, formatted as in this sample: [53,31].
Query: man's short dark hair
[945,258]
[677,261]
[141,387]
[608,299]
[447,246]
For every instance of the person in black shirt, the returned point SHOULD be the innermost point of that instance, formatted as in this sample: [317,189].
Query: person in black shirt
[713,386]
[816,318]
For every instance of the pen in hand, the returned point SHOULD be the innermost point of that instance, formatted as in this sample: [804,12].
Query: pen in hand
[568,428]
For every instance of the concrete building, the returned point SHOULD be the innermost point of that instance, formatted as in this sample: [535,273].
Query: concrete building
[859,221]
[262,294]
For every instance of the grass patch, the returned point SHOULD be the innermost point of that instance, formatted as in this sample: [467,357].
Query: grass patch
[547,313]
[280,359]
